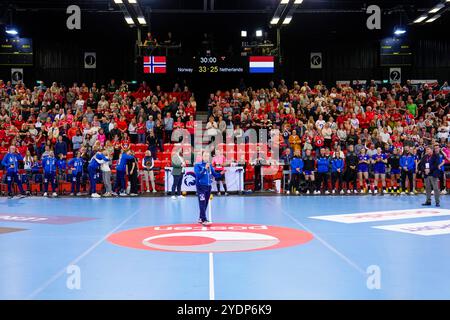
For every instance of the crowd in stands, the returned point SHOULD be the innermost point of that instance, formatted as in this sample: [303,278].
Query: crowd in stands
[52,135]
[353,138]
[348,137]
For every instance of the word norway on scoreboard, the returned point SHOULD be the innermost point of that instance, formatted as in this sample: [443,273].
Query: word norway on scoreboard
[155,64]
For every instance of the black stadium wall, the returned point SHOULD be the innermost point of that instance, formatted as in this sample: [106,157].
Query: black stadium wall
[59,53]
[345,60]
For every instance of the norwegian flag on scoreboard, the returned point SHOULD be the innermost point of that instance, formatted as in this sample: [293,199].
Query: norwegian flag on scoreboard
[155,64]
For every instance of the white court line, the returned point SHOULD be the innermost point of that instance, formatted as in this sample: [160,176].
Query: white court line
[78,259]
[211,262]
[326,244]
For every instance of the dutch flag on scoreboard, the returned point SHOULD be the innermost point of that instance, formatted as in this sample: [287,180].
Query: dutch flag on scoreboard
[263,64]
[155,64]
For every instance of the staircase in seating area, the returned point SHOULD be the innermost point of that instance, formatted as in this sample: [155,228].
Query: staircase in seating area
[202,116]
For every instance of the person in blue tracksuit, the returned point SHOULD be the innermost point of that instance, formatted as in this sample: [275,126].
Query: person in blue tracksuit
[203,178]
[11,163]
[121,169]
[296,172]
[323,169]
[61,165]
[36,170]
[337,169]
[93,167]
[408,167]
[49,164]
[76,167]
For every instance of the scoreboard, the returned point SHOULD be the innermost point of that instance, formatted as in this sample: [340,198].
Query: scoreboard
[395,52]
[209,65]
[16,52]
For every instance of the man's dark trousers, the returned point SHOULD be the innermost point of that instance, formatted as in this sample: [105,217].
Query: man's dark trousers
[203,194]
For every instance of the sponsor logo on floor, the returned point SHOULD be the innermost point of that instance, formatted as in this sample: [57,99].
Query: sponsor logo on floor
[384,215]
[9,230]
[430,228]
[42,219]
[218,237]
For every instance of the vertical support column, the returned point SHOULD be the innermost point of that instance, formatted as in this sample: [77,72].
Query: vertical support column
[139,38]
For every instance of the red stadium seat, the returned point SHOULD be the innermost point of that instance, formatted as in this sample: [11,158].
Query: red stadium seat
[65,187]
[141,147]
[168,147]
[139,155]
[35,188]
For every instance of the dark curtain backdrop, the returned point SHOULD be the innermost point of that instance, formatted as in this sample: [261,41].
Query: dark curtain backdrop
[63,61]
[59,52]
[347,60]
[347,55]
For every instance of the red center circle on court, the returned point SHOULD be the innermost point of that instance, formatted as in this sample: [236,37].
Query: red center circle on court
[220,237]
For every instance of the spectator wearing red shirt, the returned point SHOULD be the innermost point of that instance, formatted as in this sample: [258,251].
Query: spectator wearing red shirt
[190,126]
[125,142]
[122,124]
[144,89]
[370,115]
[186,94]
[72,131]
[178,124]
[319,142]
[141,129]
[363,121]
[189,110]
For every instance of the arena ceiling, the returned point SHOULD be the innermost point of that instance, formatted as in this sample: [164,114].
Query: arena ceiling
[237,5]
[339,13]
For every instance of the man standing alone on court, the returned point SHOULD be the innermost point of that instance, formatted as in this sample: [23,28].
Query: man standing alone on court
[203,179]
[429,165]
